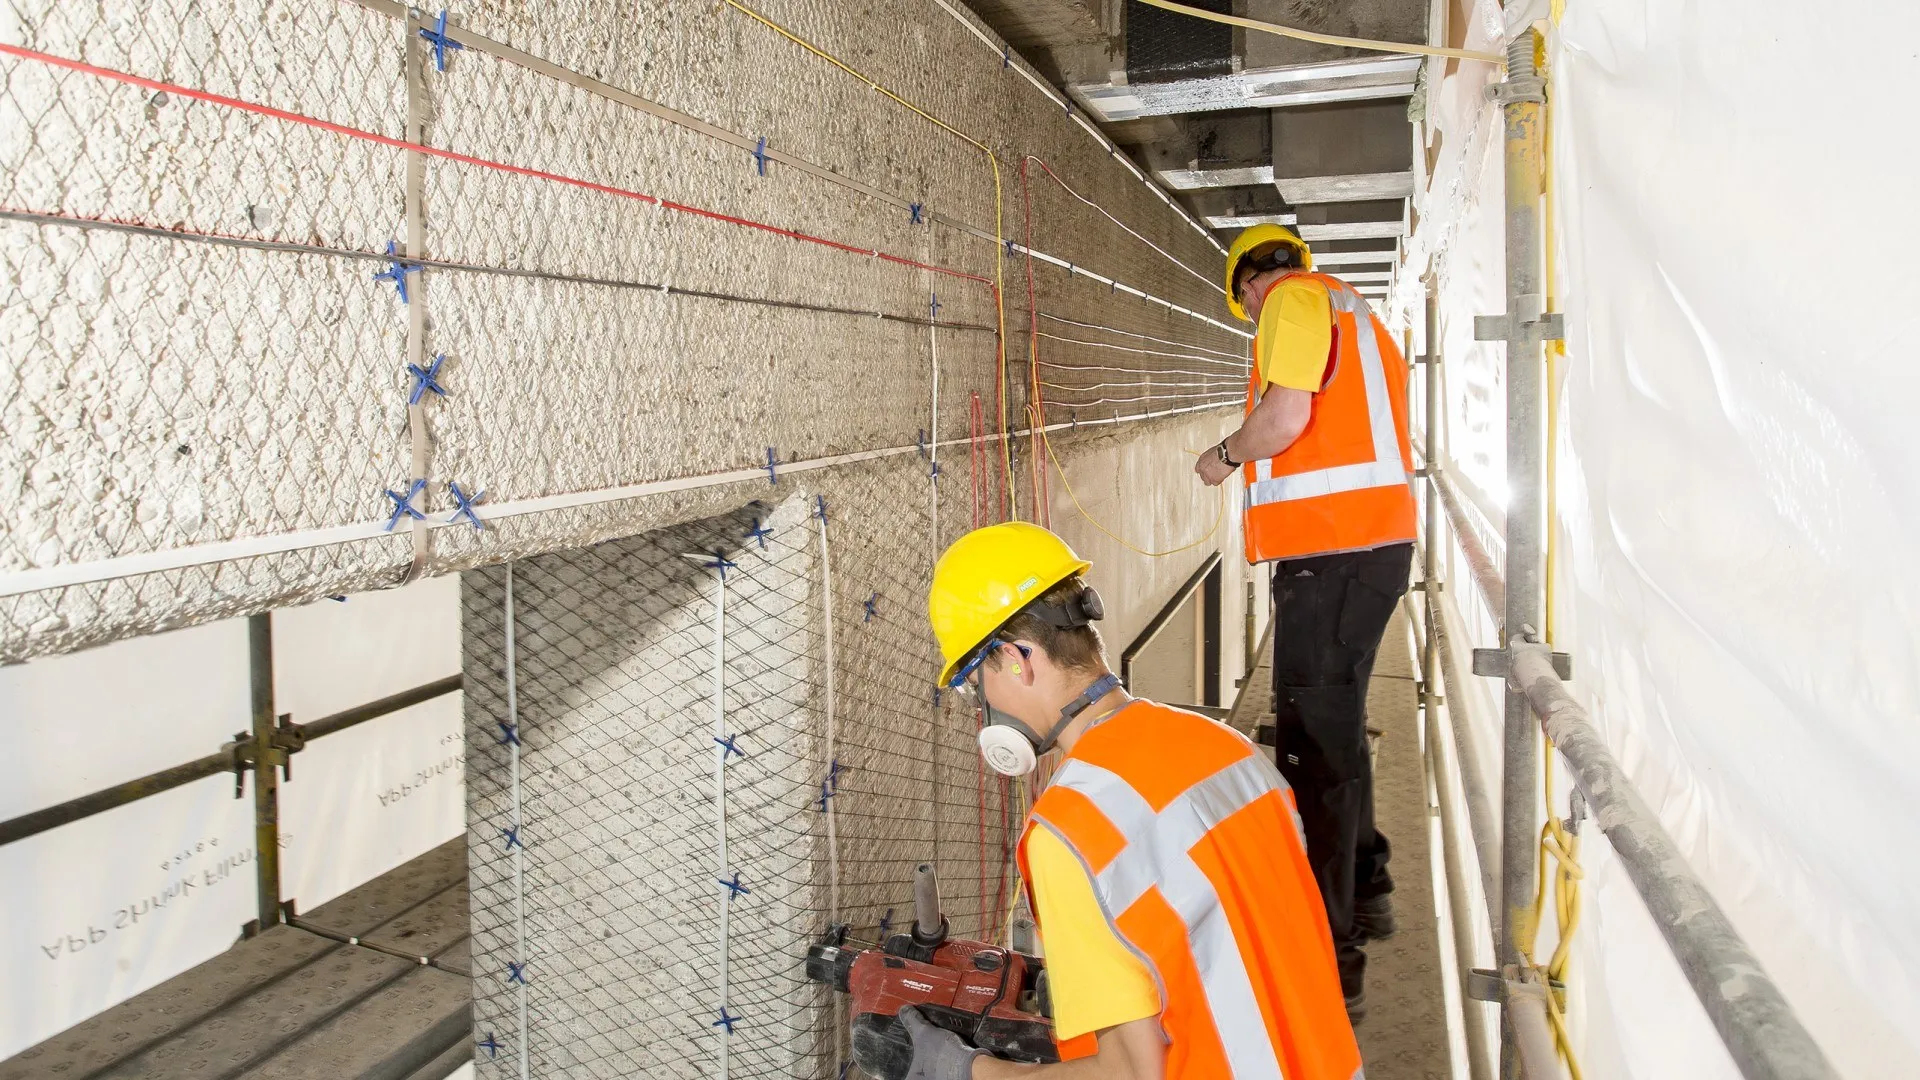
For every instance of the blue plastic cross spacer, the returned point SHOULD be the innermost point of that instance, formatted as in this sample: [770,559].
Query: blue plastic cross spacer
[872,604]
[734,888]
[760,156]
[441,42]
[934,471]
[721,563]
[725,1020]
[1113,287]
[1009,244]
[936,697]
[758,532]
[833,774]
[512,837]
[492,1046]
[403,504]
[773,463]
[914,216]
[933,307]
[820,507]
[920,441]
[397,271]
[1073,419]
[426,378]
[730,745]
[463,504]
[509,733]
[517,972]
[825,794]
[1006,57]
[886,921]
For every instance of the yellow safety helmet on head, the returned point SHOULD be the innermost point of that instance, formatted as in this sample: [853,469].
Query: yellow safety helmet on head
[985,578]
[1257,241]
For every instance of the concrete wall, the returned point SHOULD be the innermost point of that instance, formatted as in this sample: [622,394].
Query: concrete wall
[198,429]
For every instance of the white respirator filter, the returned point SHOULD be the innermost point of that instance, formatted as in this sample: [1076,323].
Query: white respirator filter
[1006,750]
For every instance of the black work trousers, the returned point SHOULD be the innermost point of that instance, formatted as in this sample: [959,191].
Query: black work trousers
[1329,614]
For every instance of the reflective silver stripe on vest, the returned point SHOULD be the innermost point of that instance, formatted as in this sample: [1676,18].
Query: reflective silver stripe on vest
[1387,467]
[1156,854]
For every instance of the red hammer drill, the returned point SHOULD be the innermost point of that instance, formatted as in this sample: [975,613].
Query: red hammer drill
[992,997]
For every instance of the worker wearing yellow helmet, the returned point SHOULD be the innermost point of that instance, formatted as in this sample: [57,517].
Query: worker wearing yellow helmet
[1325,458]
[1163,863]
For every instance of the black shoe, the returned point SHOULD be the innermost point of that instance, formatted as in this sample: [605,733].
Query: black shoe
[1373,917]
[1357,1006]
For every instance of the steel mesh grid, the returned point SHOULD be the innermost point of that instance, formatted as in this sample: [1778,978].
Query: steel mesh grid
[615,667]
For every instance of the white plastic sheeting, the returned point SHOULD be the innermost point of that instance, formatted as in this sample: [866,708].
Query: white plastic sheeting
[101,909]
[1734,180]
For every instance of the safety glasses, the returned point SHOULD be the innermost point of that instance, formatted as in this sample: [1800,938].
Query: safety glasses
[964,682]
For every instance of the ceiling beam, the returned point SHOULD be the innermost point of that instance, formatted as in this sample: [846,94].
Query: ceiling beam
[1365,78]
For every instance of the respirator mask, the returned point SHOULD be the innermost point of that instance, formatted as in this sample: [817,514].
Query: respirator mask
[1009,746]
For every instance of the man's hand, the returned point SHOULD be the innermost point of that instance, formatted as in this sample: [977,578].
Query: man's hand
[1210,469]
[938,1054]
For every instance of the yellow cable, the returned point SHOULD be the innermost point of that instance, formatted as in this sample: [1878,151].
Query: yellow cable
[999,232]
[1558,846]
[1218,517]
[1403,48]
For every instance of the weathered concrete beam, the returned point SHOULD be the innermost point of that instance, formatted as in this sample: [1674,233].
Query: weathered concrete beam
[1375,20]
[1352,220]
[1364,78]
[1345,152]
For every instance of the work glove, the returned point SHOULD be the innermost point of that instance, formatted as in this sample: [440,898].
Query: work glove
[938,1054]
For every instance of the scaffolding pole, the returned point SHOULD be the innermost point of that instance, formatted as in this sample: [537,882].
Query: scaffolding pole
[1522,97]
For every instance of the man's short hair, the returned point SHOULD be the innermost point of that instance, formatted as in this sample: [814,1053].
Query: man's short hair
[1077,648]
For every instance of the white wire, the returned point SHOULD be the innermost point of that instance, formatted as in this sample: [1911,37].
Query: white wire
[1146,397]
[833,836]
[1136,383]
[720,787]
[1215,375]
[1124,227]
[1143,352]
[1238,357]
[519,850]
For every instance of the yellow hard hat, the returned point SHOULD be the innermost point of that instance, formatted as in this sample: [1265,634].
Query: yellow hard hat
[985,578]
[1255,241]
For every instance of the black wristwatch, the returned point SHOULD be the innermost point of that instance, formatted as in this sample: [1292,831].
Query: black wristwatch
[1222,451]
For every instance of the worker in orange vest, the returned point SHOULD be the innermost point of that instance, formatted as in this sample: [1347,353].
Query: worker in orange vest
[1327,465]
[1163,863]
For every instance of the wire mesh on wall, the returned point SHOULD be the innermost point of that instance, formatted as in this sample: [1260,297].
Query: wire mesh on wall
[281,274]
[625,910]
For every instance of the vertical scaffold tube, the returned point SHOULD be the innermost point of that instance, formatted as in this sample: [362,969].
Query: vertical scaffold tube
[1522,99]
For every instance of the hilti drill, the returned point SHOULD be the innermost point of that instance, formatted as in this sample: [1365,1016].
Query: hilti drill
[992,997]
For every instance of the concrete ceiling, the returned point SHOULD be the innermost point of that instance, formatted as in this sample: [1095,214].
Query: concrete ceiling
[1243,127]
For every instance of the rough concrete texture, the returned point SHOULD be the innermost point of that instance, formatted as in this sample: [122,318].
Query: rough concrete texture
[165,392]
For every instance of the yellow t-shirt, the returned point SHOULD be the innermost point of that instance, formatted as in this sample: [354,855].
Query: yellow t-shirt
[1093,980]
[1296,335]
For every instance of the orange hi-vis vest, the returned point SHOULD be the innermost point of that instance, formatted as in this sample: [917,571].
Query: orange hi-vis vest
[1344,484]
[1194,847]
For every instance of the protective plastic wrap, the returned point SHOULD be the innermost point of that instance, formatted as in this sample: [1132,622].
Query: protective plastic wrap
[103,908]
[1735,479]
